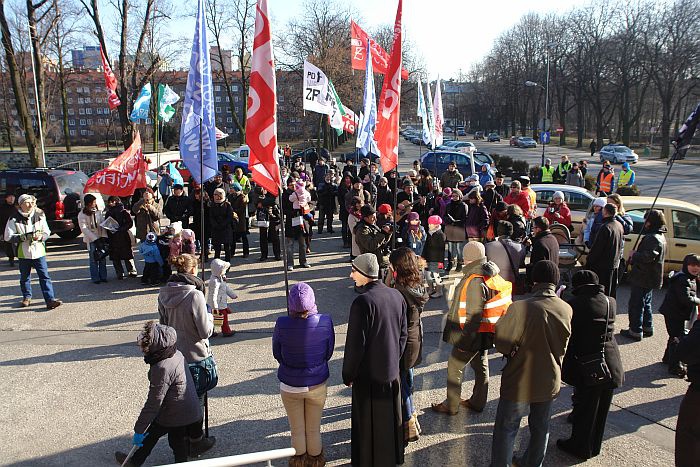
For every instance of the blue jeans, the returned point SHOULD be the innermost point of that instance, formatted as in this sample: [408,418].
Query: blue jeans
[639,310]
[407,408]
[455,250]
[98,269]
[508,417]
[25,278]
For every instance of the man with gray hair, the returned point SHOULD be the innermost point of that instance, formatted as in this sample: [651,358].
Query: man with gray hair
[376,338]
[27,228]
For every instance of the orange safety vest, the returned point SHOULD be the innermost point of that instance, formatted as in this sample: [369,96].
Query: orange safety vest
[494,308]
[606,183]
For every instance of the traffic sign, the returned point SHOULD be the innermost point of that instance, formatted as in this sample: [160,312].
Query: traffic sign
[544,124]
[560,130]
[544,137]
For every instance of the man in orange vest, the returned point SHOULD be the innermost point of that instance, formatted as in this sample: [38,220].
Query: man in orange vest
[480,299]
[605,182]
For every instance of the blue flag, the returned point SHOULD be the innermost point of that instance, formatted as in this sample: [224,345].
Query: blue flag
[175,175]
[365,137]
[142,104]
[197,132]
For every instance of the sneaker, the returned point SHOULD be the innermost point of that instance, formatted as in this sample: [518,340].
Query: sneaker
[290,268]
[278,258]
[306,265]
[648,332]
[53,304]
[263,259]
[203,445]
[26,302]
[631,335]
[133,274]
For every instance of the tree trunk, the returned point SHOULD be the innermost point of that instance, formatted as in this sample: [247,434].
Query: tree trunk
[62,91]
[665,126]
[20,93]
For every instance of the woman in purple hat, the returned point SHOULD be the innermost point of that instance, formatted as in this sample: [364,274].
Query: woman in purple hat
[303,343]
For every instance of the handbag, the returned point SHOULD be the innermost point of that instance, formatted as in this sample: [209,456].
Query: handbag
[101,250]
[593,367]
[205,375]
[519,284]
[297,221]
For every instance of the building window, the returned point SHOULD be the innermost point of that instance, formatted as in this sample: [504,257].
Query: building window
[81,100]
[235,98]
[227,99]
[82,122]
[83,132]
[71,132]
[71,112]
[52,118]
[81,111]
[280,98]
[234,88]
[106,110]
[98,110]
[218,98]
[71,122]
[89,121]
[149,121]
[229,119]
[88,111]
[88,100]
[217,88]
[98,100]
[70,100]
[218,110]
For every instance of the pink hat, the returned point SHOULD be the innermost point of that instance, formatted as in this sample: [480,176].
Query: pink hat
[435,220]
[447,191]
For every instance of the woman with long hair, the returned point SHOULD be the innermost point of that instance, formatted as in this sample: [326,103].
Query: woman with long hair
[303,344]
[477,217]
[407,271]
[119,239]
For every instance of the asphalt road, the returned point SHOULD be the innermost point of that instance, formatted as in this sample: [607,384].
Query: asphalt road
[649,172]
[73,380]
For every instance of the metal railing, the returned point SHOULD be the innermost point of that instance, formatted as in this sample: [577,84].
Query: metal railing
[241,459]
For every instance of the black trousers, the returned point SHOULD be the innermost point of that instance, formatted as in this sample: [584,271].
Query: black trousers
[151,273]
[178,440]
[327,215]
[243,238]
[267,235]
[10,251]
[130,266]
[688,430]
[227,251]
[591,406]
[676,330]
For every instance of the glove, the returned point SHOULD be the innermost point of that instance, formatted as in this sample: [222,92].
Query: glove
[138,439]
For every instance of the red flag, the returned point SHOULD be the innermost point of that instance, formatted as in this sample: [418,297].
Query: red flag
[261,122]
[387,132]
[125,174]
[113,100]
[358,48]
[110,79]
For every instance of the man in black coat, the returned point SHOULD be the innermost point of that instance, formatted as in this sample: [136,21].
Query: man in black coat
[544,244]
[589,335]
[178,207]
[327,191]
[688,425]
[604,257]
[376,338]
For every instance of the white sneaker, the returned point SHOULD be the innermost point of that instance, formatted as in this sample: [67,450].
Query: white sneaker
[290,268]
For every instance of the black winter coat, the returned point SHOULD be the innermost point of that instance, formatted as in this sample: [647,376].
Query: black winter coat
[688,351]
[120,241]
[519,229]
[6,211]
[434,247]
[604,256]
[385,196]
[587,334]
[681,297]
[327,193]
[221,223]
[544,246]
[648,261]
[178,209]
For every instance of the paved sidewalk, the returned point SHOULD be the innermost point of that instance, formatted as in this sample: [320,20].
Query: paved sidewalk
[74,382]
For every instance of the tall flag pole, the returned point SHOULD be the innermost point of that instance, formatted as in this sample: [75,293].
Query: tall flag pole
[365,135]
[387,135]
[261,120]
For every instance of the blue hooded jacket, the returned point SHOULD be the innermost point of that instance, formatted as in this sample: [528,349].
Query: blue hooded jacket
[485,176]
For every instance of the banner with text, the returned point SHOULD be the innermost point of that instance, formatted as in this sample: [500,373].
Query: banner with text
[317,95]
[358,47]
[125,174]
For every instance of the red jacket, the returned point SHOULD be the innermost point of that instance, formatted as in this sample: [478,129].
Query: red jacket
[561,214]
[521,199]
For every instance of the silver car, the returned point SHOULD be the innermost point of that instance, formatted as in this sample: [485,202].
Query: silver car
[617,154]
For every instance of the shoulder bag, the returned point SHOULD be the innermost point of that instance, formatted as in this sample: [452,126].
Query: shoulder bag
[205,375]
[593,367]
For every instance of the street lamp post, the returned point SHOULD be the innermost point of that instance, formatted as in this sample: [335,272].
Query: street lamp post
[546,120]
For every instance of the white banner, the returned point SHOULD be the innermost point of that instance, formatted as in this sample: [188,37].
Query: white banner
[317,97]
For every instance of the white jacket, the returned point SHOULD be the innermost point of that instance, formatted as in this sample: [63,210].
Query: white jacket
[90,226]
[218,291]
[33,224]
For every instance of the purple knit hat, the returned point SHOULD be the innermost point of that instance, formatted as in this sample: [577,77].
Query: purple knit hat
[301,299]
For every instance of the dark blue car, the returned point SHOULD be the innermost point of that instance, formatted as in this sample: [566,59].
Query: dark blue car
[437,161]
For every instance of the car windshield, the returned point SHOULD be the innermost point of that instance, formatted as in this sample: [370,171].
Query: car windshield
[71,182]
[527,139]
[225,157]
[623,149]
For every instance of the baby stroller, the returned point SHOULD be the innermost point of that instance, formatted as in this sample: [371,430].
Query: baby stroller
[569,252]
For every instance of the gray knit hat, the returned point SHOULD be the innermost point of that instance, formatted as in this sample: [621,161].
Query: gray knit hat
[367,265]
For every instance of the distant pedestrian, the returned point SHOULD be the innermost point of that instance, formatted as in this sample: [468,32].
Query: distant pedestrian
[376,339]
[28,229]
[7,209]
[593,146]
[303,343]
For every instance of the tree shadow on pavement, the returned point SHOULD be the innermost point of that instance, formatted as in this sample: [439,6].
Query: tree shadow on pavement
[79,355]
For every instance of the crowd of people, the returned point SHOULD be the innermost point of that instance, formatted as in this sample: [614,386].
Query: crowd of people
[405,235]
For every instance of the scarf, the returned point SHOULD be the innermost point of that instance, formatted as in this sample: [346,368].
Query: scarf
[161,354]
[189,279]
[357,214]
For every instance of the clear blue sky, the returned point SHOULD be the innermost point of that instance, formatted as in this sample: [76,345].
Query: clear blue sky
[449,34]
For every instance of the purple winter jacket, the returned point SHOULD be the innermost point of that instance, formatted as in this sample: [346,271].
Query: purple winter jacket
[303,348]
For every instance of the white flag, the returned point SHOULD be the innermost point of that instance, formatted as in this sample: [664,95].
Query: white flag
[336,117]
[437,111]
[316,91]
[422,113]
[431,117]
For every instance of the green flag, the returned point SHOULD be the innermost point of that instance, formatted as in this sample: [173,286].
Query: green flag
[336,118]
[166,98]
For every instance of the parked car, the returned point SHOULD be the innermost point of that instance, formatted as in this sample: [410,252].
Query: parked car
[223,159]
[577,198]
[463,146]
[478,135]
[447,129]
[617,154]
[682,222]
[525,142]
[461,132]
[437,161]
[58,193]
[485,158]
[513,140]
[493,137]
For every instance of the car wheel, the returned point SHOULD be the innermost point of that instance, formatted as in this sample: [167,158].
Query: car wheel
[69,234]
